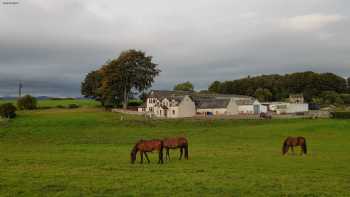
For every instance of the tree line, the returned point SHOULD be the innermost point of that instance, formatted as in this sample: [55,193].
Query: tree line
[314,86]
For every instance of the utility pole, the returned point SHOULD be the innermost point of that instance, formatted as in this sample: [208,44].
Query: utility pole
[20,86]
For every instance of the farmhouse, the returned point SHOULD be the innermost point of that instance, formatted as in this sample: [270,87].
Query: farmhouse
[174,104]
[169,104]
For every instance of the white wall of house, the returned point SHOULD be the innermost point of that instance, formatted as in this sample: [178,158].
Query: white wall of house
[151,104]
[141,109]
[214,111]
[173,112]
[187,107]
[263,109]
[297,107]
[246,109]
[232,108]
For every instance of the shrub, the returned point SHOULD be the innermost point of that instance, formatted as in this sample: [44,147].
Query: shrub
[341,115]
[60,106]
[345,98]
[27,102]
[45,107]
[135,103]
[72,106]
[331,98]
[7,110]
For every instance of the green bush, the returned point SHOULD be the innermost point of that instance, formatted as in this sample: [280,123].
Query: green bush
[341,115]
[135,102]
[27,102]
[7,110]
[72,106]
[44,107]
[345,98]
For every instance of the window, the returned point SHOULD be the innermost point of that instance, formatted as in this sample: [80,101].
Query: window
[173,112]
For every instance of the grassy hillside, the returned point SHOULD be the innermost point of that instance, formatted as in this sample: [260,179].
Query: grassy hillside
[86,152]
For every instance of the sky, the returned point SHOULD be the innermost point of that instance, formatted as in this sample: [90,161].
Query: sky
[51,45]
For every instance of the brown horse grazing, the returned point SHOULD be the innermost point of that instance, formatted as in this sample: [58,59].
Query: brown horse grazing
[294,141]
[174,143]
[146,146]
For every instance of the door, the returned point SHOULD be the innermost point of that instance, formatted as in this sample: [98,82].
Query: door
[256,109]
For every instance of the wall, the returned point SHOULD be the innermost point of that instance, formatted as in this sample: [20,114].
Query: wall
[214,111]
[232,108]
[187,107]
[295,108]
[170,112]
[246,109]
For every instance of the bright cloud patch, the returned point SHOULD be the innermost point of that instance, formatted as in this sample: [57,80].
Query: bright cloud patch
[310,22]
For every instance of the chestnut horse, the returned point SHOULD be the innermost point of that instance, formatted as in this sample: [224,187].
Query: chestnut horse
[146,146]
[294,141]
[174,143]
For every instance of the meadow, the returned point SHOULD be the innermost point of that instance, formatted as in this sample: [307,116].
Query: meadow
[86,152]
[46,103]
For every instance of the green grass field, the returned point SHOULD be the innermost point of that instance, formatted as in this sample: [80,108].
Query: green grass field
[86,152]
[55,103]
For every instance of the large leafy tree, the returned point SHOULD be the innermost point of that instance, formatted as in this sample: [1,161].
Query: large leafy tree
[91,85]
[215,87]
[263,94]
[132,70]
[186,86]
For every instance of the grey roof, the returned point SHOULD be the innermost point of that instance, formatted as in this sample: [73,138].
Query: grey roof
[161,94]
[203,100]
[245,102]
[212,103]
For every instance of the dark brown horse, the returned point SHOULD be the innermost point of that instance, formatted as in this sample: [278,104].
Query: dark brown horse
[146,146]
[174,143]
[294,141]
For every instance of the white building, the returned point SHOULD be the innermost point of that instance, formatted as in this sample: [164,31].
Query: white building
[169,104]
[175,104]
[221,106]
[287,108]
[250,107]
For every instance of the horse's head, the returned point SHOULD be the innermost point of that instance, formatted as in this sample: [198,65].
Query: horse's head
[134,152]
[133,155]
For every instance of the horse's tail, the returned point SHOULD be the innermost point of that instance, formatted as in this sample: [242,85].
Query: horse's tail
[284,147]
[186,151]
[304,147]
[161,151]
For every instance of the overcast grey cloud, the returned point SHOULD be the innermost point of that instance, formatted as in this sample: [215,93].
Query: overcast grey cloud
[51,45]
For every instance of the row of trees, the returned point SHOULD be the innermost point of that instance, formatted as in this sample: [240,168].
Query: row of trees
[112,84]
[278,87]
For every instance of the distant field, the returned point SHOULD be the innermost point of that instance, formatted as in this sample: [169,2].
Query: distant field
[63,102]
[86,152]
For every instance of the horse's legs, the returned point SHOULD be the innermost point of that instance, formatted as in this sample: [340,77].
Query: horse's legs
[181,151]
[147,157]
[292,147]
[301,150]
[160,161]
[141,153]
[167,157]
